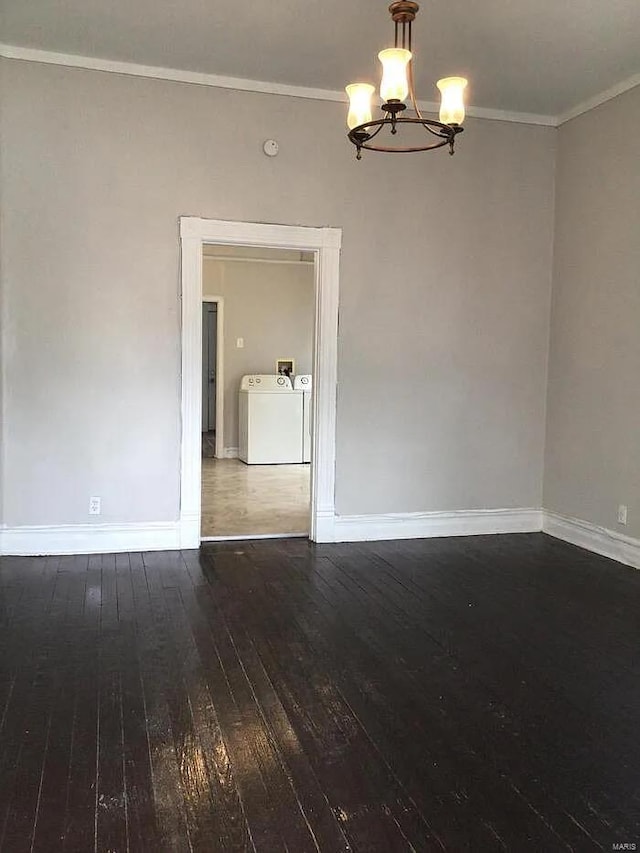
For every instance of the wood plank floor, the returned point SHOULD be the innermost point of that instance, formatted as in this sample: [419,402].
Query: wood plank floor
[469,694]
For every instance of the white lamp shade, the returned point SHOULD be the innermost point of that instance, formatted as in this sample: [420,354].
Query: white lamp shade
[394,85]
[452,99]
[360,95]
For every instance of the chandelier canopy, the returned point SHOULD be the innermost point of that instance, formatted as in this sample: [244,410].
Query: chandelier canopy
[395,87]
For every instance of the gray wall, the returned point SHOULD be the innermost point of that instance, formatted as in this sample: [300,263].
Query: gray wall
[444,304]
[270,306]
[593,433]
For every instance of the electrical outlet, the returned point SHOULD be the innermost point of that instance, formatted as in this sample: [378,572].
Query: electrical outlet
[622,514]
[239,343]
[95,506]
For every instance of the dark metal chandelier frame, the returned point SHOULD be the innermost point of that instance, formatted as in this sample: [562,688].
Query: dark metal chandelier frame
[403,13]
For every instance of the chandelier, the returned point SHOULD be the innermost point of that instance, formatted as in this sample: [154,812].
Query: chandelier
[396,86]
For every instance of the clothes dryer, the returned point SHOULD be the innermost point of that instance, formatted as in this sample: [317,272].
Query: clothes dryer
[303,385]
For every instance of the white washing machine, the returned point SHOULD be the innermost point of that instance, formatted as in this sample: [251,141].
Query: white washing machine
[303,385]
[269,419]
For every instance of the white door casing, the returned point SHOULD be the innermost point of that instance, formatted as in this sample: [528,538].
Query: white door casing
[325,243]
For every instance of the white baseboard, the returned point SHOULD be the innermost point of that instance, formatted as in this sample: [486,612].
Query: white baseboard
[323,526]
[600,540]
[189,530]
[166,536]
[90,538]
[424,525]
[229,453]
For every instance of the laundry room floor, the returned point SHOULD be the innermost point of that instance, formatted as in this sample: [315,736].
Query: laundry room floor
[250,500]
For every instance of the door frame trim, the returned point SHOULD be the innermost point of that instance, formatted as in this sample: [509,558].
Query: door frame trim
[325,243]
[219,300]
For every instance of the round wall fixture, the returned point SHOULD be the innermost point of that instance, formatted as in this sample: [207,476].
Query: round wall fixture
[270,148]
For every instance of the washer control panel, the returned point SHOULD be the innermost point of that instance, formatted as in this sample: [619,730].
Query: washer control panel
[265,382]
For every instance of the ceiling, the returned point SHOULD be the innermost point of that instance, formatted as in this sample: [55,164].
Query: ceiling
[536,56]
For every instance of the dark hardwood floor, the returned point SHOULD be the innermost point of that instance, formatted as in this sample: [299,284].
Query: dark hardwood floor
[450,694]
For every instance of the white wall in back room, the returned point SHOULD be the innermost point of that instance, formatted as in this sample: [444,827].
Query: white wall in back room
[444,292]
[271,307]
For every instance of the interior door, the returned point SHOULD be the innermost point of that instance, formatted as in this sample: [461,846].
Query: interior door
[209,350]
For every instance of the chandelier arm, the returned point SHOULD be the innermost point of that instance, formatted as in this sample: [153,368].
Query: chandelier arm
[438,132]
[412,91]
[376,132]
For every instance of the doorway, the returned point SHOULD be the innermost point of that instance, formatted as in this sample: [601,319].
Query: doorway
[259,485]
[324,243]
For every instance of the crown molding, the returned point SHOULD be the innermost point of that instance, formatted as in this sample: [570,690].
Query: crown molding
[174,75]
[240,84]
[601,98]
[490,114]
